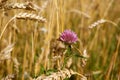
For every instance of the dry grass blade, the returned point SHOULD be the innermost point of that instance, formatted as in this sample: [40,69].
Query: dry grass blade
[26,6]
[80,12]
[108,8]
[60,75]
[114,58]
[30,16]
[5,53]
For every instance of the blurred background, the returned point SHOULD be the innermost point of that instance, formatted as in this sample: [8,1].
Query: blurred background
[25,43]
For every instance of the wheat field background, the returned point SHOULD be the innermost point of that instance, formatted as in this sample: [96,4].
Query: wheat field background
[29,30]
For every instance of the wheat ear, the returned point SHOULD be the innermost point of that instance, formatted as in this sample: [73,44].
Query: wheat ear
[9,77]
[26,6]
[6,53]
[30,16]
[101,21]
[2,3]
[60,75]
[97,23]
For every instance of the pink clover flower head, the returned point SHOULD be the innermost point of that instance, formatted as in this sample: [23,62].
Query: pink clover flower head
[68,37]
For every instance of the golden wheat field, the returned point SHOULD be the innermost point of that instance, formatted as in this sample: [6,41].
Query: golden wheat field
[59,39]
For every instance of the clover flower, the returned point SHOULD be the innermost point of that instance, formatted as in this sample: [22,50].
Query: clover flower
[68,37]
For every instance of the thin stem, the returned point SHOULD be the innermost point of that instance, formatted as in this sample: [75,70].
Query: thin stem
[6,27]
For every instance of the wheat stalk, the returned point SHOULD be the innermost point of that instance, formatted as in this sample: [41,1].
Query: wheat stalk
[60,75]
